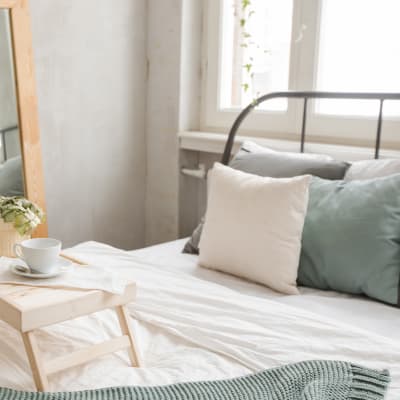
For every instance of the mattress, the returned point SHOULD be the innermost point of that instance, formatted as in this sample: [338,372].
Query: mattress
[355,310]
[197,324]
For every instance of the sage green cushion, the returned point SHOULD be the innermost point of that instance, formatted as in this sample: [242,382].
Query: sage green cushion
[262,161]
[11,177]
[351,237]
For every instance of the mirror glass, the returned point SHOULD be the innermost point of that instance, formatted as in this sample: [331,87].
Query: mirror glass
[11,173]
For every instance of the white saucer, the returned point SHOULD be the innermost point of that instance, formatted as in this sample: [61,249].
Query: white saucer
[63,265]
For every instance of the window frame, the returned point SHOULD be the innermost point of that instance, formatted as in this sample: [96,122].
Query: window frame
[303,69]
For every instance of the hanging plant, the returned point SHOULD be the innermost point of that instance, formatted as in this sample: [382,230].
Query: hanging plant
[247,42]
[245,15]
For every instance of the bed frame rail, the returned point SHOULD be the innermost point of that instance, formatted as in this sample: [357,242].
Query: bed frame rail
[306,95]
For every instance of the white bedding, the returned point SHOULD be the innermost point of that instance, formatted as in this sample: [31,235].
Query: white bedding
[195,324]
[360,311]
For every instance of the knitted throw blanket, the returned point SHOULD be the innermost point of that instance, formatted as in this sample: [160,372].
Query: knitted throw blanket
[310,380]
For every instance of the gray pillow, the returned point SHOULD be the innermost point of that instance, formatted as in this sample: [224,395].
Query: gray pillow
[261,161]
[351,238]
[192,245]
[11,180]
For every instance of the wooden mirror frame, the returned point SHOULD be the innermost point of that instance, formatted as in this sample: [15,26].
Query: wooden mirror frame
[27,104]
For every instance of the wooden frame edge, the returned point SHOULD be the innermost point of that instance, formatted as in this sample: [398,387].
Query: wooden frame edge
[9,3]
[27,105]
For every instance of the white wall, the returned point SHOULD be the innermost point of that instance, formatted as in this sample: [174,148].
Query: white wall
[162,119]
[90,61]
[173,104]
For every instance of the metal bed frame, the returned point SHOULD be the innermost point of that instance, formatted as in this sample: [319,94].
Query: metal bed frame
[306,95]
[3,140]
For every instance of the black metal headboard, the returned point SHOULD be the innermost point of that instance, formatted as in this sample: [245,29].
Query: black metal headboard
[306,96]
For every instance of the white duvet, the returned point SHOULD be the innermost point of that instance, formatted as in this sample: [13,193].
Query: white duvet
[191,328]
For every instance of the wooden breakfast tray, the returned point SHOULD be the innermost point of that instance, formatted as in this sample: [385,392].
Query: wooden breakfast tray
[27,308]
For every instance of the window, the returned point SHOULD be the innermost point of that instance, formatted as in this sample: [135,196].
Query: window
[359,51]
[259,46]
[256,51]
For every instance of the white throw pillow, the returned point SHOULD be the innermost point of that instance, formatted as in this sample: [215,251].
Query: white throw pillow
[253,226]
[370,169]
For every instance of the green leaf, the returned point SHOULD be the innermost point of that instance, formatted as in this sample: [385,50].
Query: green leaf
[242,22]
[245,4]
[245,87]
[248,67]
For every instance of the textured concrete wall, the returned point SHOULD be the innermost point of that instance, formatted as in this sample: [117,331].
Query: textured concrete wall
[162,119]
[173,104]
[90,61]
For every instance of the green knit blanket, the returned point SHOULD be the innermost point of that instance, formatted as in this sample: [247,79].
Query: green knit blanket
[309,380]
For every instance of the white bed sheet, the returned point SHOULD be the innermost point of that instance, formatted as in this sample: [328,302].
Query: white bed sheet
[195,324]
[360,311]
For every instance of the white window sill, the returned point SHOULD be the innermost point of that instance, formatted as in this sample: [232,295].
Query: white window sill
[210,142]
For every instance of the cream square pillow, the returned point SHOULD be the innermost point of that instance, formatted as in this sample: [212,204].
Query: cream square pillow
[253,226]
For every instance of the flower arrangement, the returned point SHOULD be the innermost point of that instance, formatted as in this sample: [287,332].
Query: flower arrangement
[22,213]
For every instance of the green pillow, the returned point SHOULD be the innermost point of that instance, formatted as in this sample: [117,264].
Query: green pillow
[351,238]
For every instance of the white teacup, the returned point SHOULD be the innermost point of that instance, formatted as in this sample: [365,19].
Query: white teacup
[40,254]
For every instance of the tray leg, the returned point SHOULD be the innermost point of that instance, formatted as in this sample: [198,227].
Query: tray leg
[123,318]
[35,361]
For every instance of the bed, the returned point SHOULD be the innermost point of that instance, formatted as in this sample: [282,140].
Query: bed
[199,324]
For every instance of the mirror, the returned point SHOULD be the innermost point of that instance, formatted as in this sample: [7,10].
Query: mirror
[11,171]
